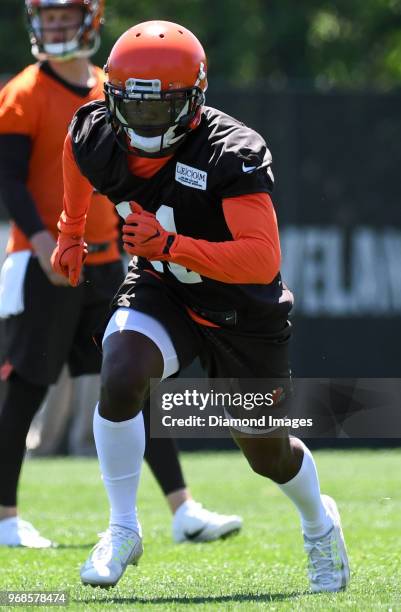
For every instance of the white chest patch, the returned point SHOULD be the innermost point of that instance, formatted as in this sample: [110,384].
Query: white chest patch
[191,177]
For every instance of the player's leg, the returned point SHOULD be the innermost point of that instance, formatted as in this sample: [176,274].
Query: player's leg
[21,401]
[118,434]
[274,455]
[161,455]
[86,359]
[290,464]
[136,348]
[50,425]
[85,394]
[191,521]
[35,344]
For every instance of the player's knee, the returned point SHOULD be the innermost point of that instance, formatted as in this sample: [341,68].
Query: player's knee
[123,389]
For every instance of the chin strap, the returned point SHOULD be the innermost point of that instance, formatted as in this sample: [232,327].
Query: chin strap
[196,120]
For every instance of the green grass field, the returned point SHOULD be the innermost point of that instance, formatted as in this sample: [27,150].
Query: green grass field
[264,567]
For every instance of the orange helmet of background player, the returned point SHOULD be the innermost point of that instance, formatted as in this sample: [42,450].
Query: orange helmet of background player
[85,42]
[156,82]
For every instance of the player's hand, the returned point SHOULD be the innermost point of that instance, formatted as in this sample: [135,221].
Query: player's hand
[69,256]
[144,236]
[44,244]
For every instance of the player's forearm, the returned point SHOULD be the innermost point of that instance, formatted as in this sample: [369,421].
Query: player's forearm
[253,256]
[77,195]
[244,261]
[20,206]
[15,151]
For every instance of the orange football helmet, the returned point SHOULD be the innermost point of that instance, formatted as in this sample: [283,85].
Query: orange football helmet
[156,87]
[85,42]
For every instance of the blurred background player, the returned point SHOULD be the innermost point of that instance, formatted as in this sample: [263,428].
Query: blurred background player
[193,186]
[47,323]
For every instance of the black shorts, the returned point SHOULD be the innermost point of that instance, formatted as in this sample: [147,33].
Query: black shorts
[226,351]
[58,323]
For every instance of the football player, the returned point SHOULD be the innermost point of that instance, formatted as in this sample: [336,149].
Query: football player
[194,186]
[47,323]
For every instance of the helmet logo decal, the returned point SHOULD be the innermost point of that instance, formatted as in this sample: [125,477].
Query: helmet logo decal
[135,86]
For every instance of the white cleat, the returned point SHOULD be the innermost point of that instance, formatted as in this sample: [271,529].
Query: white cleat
[108,560]
[193,523]
[16,532]
[328,562]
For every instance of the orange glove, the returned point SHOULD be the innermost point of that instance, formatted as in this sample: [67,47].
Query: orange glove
[68,257]
[144,236]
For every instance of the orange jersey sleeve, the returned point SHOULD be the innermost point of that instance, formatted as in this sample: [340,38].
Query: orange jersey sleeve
[77,195]
[253,256]
[19,111]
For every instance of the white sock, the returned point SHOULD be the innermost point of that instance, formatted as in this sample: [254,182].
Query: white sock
[120,449]
[304,491]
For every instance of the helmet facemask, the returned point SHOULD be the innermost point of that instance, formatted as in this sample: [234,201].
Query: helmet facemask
[151,122]
[84,43]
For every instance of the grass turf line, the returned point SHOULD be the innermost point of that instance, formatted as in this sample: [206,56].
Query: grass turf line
[264,567]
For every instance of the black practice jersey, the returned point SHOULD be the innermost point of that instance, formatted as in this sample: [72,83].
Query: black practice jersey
[222,158]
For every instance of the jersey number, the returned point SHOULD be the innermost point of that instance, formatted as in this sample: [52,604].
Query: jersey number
[165,216]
